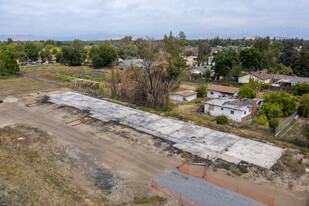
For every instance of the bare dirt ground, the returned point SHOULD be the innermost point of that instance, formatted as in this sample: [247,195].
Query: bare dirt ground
[119,160]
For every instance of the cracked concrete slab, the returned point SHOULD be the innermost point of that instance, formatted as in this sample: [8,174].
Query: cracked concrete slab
[197,140]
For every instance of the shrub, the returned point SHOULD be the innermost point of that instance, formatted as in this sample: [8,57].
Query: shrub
[273,123]
[302,88]
[261,120]
[226,84]
[246,92]
[206,117]
[303,108]
[222,119]
[278,104]
[201,90]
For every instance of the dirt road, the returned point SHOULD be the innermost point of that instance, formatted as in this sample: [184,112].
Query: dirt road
[98,153]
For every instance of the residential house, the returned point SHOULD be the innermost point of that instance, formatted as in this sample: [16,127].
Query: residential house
[183,96]
[124,64]
[191,60]
[216,91]
[235,108]
[196,71]
[259,75]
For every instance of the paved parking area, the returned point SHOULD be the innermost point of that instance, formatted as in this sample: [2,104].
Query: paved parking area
[190,138]
[202,191]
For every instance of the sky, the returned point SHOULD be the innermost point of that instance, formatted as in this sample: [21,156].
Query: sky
[202,18]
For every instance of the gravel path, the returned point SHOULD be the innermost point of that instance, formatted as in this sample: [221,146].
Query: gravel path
[201,190]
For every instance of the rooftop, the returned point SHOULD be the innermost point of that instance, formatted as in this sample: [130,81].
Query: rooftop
[225,89]
[232,103]
[184,93]
[262,75]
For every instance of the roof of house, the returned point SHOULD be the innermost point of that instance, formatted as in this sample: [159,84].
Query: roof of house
[225,89]
[130,62]
[232,103]
[262,75]
[185,93]
[205,67]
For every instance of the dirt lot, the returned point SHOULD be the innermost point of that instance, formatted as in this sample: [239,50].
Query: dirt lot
[118,160]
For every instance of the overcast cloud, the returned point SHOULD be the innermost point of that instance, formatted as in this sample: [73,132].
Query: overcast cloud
[288,18]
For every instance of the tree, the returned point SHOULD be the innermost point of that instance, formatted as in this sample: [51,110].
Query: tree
[261,120]
[9,41]
[303,108]
[256,85]
[225,61]
[200,55]
[250,59]
[262,44]
[273,124]
[207,74]
[270,58]
[246,92]
[31,50]
[284,69]
[302,88]
[300,62]
[2,46]
[50,42]
[206,48]
[142,47]
[201,90]
[8,63]
[287,52]
[45,55]
[103,56]
[71,56]
[78,44]
[278,105]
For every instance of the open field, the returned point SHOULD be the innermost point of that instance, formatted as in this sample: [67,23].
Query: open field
[18,86]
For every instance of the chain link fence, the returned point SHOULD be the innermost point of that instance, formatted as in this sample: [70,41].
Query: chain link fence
[285,123]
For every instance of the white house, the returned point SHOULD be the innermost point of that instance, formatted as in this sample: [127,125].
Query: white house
[216,91]
[259,75]
[182,96]
[237,109]
[127,63]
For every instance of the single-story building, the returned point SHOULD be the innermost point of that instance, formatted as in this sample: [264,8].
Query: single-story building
[216,91]
[259,75]
[183,96]
[235,108]
[124,64]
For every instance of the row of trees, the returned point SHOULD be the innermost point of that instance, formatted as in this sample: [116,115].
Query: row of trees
[275,57]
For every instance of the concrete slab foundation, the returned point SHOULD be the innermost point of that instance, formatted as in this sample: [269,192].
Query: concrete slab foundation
[190,138]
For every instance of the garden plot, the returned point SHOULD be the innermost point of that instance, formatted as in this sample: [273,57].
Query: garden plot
[198,140]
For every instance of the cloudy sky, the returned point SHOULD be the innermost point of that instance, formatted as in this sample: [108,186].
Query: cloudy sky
[64,18]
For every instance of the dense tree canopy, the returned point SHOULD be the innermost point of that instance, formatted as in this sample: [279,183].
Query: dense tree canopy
[103,56]
[225,61]
[71,56]
[278,105]
[8,63]
[246,92]
[31,50]
[251,59]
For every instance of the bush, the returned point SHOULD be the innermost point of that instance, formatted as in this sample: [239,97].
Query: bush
[226,84]
[222,119]
[246,92]
[201,90]
[303,108]
[302,88]
[273,123]
[261,120]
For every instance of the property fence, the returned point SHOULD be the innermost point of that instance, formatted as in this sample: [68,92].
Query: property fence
[267,200]
[284,124]
[176,195]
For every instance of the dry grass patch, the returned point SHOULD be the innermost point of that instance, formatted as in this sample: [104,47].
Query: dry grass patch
[18,86]
[34,170]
